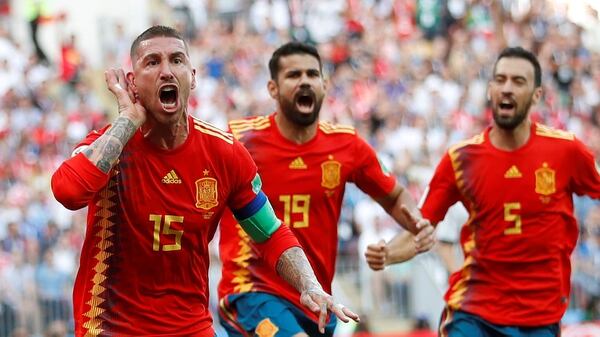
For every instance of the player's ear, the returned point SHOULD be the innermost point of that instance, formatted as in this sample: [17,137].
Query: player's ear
[131,81]
[537,95]
[273,89]
[193,79]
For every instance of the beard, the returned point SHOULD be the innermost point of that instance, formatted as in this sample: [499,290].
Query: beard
[511,122]
[291,112]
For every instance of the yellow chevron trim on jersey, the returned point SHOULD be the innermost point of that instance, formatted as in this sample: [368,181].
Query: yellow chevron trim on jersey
[242,282]
[243,128]
[546,131]
[211,127]
[212,130]
[255,121]
[475,140]
[330,128]
[460,288]
[513,172]
[453,153]
[239,126]
[239,133]
[215,134]
[105,232]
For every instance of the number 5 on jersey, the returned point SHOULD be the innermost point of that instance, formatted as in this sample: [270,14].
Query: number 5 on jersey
[166,230]
[511,216]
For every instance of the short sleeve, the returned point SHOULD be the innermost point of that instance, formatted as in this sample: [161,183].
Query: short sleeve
[370,175]
[441,193]
[586,172]
[246,181]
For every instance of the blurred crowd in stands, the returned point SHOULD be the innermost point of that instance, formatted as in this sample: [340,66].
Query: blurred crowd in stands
[411,76]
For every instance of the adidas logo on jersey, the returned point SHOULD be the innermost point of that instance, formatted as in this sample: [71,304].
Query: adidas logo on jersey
[297,164]
[513,172]
[171,178]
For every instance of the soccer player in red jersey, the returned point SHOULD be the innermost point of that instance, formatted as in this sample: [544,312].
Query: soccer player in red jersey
[516,179]
[304,164]
[156,182]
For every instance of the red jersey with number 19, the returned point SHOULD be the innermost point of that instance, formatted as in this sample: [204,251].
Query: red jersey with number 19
[521,230]
[144,262]
[305,184]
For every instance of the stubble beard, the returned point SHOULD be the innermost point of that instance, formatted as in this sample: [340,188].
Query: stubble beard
[290,111]
[510,123]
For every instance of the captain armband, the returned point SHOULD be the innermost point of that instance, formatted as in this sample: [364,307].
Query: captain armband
[258,218]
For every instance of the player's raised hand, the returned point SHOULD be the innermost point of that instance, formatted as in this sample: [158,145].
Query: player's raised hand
[129,105]
[376,255]
[317,300]
[425,238]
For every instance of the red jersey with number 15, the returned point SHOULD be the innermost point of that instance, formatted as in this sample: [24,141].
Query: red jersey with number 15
[305,184]
[144,261]
[521,231]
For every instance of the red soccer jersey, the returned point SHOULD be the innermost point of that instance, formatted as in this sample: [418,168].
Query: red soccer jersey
[145,258]
[305,184]
[521,230]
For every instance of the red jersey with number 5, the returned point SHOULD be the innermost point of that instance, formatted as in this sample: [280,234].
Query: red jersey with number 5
[305,184]
[521,231]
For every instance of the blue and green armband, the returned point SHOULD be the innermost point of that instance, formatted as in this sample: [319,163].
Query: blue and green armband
[258,218]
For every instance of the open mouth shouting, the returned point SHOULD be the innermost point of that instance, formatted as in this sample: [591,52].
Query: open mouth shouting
[506,106]
[169,97]
[305,101]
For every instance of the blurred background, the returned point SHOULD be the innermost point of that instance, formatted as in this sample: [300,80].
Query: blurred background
[411,76]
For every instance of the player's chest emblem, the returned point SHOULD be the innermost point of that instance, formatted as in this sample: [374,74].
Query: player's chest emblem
[330,173]
[297,164]
[545,180]
[206,192]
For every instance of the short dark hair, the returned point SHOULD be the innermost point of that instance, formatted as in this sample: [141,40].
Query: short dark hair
[525,54]
[153,32]
[291,48]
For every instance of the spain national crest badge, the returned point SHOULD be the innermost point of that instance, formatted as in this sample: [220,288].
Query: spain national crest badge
[206,193]
[545,180]
[330,173]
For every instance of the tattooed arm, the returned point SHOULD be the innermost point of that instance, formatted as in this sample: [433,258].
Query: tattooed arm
[294,268]
[105,151]
[80,177]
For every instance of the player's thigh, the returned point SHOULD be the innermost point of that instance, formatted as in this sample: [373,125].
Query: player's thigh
[258,314]
[460,324]
[551,330]
[463,324]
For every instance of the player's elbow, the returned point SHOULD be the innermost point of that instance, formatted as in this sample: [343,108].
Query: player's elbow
[65,192]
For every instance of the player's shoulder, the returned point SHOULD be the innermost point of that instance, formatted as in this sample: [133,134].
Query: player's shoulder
[476,140]
[329,128]
[211,132]
[239,127]
[546,131]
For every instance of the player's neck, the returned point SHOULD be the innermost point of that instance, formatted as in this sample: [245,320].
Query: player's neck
[510,140]
[295,133]
[166,136]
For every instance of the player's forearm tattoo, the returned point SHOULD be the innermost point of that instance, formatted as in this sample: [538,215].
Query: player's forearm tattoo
[105,151]
[293,266]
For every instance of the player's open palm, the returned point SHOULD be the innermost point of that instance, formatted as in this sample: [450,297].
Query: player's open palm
[319,301]
[129,105]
